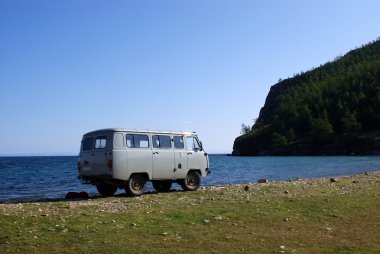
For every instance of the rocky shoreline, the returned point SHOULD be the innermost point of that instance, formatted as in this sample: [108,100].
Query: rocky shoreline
[244,186]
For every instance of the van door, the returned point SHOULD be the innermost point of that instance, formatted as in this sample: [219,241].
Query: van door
[163,157]
[85,155]
[99,156]
[93,156]
[180,157]
[139,154]
[195,156]
[119,157]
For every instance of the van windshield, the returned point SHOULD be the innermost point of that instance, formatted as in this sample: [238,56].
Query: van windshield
[192,143]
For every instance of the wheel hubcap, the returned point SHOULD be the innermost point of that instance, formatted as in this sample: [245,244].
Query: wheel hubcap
[136,185]
[191,180]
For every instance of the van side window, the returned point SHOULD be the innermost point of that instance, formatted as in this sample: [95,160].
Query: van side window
[178,142]
[118,140]
[130,142]
[88,144]
[161,141]
[137,141]
[192,143]
[100,142]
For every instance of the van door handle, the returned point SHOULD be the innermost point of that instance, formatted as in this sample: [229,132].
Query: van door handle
[155,152]
[190,153]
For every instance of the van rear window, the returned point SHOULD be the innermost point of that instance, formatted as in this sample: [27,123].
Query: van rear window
[100,142]
[88,144]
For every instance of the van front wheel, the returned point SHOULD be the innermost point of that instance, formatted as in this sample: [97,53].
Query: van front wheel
[135,185]
[106,189]
[192,181]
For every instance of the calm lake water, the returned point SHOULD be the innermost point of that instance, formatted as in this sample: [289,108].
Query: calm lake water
[35,178]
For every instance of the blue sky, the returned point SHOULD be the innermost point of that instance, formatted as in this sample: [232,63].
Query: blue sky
[69,67]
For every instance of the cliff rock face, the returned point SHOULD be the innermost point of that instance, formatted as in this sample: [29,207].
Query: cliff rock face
[271,102]
[332,110]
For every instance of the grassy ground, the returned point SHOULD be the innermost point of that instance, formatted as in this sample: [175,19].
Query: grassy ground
[300,216]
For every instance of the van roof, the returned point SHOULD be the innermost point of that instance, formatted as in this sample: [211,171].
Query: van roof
[138,130]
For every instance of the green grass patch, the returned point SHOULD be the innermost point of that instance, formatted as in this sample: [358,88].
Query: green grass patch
[304,216]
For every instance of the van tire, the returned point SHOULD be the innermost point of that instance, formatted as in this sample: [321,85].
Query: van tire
[192,181]
[162,186]
[106,189]
[135,185]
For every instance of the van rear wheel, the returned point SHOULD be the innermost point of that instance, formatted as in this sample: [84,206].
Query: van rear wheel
[135,185]
[106,189]
[192,181]
[162,186]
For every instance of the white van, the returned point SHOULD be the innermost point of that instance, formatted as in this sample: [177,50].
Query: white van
[126,158]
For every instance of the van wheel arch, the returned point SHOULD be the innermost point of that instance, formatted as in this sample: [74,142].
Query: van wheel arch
[192,180]
[136,184]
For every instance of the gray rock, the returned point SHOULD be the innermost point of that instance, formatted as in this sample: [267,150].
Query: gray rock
[333,180]
[263,181]
[246,188]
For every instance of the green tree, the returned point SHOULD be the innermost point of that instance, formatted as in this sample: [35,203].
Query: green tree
[321,128]
[245,129]
[350,122]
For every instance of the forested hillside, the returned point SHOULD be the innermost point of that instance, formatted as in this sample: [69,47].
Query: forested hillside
[333,109]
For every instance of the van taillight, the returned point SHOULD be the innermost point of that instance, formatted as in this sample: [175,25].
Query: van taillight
[109,164]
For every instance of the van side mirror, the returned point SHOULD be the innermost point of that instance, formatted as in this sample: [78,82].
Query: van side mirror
[200,146]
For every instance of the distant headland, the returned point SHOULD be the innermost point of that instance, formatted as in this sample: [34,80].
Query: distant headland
[331,110]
